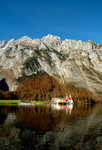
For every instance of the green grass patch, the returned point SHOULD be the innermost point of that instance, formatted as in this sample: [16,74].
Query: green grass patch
[10,101]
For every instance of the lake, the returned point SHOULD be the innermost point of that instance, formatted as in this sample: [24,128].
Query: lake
[51,127]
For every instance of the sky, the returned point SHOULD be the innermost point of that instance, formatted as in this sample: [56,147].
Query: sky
[69,19]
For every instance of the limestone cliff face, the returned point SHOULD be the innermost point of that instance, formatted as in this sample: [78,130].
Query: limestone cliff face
[65,60]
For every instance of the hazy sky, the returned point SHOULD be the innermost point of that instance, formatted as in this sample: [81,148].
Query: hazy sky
[71,19]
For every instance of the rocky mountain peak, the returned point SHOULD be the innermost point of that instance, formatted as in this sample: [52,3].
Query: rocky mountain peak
[52,40]
[25,38]
[66,60]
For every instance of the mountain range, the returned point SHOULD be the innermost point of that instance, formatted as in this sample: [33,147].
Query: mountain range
[67,61]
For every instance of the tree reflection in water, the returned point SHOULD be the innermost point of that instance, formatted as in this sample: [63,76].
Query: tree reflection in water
[50,127]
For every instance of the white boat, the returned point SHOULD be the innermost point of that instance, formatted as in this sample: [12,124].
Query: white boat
[26,103]
[66,100]
[58,101]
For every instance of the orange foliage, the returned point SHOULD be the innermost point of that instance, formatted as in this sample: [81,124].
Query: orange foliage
[38,88]
[44,87]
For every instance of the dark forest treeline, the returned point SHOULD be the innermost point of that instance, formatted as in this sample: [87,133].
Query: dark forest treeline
[44,87]
[8,95]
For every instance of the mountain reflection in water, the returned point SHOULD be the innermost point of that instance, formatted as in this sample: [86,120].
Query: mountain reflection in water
[51,127]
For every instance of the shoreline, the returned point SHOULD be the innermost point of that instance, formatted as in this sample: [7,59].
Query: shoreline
[37,102]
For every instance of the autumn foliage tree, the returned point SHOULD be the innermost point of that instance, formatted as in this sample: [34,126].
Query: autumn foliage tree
[39,88]
[44,87]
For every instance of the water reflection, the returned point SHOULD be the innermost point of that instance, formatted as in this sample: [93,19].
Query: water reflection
[67,108]
[51,127]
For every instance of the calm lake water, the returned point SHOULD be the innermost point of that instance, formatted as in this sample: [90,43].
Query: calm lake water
[51,127]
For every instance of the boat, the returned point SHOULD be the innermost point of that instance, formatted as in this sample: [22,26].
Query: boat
[58,101]
[63,101]
[69,99]
[26,103]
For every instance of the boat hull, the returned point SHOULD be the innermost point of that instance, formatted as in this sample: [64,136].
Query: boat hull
[26,103]
[70,102]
